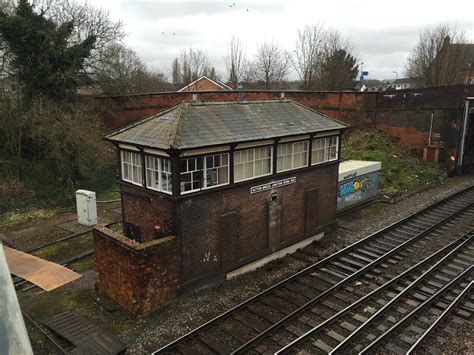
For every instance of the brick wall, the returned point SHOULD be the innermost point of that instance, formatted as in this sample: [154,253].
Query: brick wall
[209,248]
[139,277]
[403,114]
[200,220]
[145,209]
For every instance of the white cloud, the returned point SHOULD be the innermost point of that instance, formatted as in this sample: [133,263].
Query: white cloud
[383,32]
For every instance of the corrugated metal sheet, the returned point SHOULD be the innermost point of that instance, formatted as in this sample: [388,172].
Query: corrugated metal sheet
[195,125]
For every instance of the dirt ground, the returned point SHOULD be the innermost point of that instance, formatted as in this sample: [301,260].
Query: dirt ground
[145,334]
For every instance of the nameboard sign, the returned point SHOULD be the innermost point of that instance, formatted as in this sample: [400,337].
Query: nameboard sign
[272,185]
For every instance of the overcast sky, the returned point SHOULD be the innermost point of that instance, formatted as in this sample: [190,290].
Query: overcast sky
[383,32]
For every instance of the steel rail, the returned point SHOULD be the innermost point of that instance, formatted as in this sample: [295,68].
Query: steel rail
[441,318]
[417,310]
[383,287]
[245,347]
[384,308]
[70,236]
[324,261]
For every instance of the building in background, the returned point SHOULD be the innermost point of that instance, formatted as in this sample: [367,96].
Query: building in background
[205,84]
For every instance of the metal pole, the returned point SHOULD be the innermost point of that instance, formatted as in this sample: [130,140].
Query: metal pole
[13,336]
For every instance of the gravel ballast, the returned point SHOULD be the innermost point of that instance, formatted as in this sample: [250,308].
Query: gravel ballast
[178,317]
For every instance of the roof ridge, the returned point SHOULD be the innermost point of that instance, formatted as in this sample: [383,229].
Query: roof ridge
[175,135]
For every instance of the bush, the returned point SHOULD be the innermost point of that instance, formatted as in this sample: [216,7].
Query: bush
[56,149]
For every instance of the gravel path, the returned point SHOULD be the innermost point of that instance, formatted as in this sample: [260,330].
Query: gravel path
[184,314]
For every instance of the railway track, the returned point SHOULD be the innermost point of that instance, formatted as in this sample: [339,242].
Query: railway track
[367,323]
[281,314]
[442,328]
[21,284]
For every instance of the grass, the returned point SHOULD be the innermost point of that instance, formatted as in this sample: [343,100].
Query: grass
[64,250]
[401,169]
[13,218]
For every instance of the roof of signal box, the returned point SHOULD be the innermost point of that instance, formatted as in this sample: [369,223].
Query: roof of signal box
[198,124]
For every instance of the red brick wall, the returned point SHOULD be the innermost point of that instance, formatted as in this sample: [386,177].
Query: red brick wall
[145,209]
[139,277]
[205,244]
[403,114]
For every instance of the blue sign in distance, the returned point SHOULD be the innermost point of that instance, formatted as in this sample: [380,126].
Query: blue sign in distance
[365,73]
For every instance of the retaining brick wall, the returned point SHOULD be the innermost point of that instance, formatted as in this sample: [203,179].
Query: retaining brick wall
[139,277]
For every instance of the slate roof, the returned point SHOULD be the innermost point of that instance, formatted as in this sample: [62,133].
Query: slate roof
[192,125]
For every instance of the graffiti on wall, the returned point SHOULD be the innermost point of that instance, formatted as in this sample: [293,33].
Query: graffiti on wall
[362,184]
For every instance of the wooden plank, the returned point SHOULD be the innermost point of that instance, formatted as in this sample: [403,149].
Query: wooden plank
[42,273]
[86,336]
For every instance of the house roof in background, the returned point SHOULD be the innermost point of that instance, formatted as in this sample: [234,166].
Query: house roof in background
[217,83]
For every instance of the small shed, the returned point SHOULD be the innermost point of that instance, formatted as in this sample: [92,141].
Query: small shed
[357,182]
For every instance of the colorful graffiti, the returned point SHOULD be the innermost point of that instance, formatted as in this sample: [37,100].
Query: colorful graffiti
[362,184]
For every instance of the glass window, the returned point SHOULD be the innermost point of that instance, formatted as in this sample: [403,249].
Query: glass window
[217,169]
[292,155]
[132,167]
[158,173]
[325,149]
[251,163]
[191,174]
[204,172]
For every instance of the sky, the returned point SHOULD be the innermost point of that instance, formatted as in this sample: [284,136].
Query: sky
[383,32]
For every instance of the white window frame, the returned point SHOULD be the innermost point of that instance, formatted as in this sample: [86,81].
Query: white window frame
[203,172]
[159,171]
[326,148]
[132,165]
[337,148]
[192,172]
[293,155]
[253,163]
[205,187]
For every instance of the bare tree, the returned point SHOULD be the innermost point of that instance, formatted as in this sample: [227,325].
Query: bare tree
[176,72]
[122,72]
[235,61]
[271,65]
[438,56]
[190,65]
[308,54]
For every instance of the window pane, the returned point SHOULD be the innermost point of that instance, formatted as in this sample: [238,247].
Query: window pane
[223,175]
[209,162]
[211,177]
[238,172]
[191,164]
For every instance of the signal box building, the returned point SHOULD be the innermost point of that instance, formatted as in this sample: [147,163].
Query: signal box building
[210,189]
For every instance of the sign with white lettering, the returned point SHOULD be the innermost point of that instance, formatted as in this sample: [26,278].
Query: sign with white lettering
[272,185]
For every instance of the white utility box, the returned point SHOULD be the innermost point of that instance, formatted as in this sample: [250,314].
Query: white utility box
[86,207]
